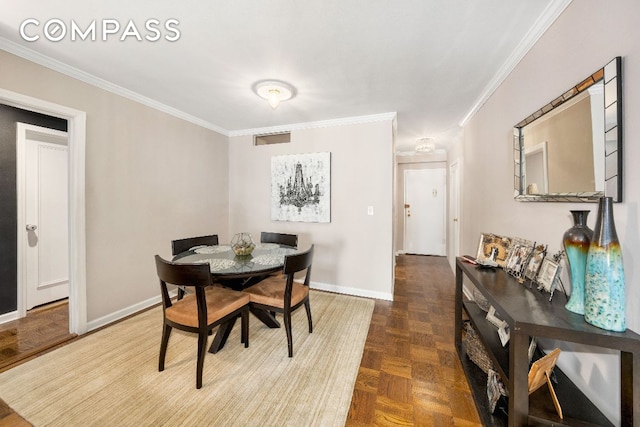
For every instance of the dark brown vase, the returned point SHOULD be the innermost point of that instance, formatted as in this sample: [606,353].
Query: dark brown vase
[576,241]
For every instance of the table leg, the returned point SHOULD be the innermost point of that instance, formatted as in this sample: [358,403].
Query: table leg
[265,317]
[221,336]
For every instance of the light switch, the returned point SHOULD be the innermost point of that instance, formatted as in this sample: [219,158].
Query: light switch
[370,210]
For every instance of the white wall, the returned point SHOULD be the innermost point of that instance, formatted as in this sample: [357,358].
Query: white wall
[585,37]
[354,252]
[150,178]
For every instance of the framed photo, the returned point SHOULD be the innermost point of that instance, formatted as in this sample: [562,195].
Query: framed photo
[533,344]
[504,335]
[518,258]
[535,261]
[547,275]
[493,318]
[493,248]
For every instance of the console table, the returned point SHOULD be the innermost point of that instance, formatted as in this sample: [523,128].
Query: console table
[528,313]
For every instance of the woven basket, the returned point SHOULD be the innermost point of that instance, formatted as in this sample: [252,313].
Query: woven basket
[475,349]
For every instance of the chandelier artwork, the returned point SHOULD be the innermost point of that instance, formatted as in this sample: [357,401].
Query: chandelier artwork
[301,187]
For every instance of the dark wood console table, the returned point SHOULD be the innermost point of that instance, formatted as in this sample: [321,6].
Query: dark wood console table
[529,313]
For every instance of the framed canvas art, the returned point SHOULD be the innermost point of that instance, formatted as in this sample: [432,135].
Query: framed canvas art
[301,187]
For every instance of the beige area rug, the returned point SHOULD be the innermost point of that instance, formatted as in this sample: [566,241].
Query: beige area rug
[111,378]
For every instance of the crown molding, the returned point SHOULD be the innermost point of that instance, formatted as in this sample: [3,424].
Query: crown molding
[53,64]
[318,124]
[548,17]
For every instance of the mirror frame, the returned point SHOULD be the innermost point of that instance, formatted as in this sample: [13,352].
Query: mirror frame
[611,75]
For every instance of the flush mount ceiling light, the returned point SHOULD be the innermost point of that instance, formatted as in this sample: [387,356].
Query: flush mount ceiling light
[274,91]
[425,145]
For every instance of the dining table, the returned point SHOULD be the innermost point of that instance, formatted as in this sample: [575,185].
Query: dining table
[238,272]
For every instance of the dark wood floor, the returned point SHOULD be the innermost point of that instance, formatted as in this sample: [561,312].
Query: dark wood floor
[409,375]
[44,329]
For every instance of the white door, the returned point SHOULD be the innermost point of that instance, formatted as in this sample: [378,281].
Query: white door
[43,216]
[424,211]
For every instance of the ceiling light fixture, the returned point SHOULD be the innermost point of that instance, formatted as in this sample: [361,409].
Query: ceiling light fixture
[425,145]
[274,91]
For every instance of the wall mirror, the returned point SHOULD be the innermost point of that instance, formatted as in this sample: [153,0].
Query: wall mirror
[570,150]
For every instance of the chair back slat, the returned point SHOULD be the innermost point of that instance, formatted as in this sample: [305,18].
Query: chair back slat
[181,245]
[298,262]
[183,274]
[280,238]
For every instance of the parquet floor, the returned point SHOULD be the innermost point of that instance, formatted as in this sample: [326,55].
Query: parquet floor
[409,374]
[43,328]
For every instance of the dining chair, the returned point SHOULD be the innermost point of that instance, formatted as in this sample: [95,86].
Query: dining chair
[284,295]
[181,245]
[280,238]
[200,311]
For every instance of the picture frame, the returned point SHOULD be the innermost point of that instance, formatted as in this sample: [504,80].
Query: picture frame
[535,261]
[547,275]
[533,344]
[519,255]
[493,248]
[301,187]
[540,374]
[493,318]
[504,335]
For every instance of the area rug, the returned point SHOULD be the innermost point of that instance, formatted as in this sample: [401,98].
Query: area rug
[111,378]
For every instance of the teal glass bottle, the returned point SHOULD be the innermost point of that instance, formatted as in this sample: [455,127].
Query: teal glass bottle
[576,242]
[605,293]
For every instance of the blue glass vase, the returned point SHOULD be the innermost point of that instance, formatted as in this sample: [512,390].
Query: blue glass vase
[576,241]
[605,299]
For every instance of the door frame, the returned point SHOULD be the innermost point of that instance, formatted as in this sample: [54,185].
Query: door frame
[455,209]
[22,135]
[77,221]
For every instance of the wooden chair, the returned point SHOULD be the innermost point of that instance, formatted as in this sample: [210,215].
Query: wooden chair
[200,311]
[281,294]
[269,237]
[181,245]
[280,238]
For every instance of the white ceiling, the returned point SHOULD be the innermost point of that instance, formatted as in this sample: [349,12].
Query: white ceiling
[432,62]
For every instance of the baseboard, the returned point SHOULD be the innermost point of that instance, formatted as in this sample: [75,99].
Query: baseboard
[467,292]
[351,291]
[128,311]
[8,317]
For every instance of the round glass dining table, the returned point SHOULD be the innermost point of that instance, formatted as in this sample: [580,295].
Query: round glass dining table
[238,272]
[266,258]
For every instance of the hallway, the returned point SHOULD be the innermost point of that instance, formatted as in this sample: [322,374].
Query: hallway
[410,373]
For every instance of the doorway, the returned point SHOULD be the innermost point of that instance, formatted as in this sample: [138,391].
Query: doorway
[77,236]
[424,211]
[42,216]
